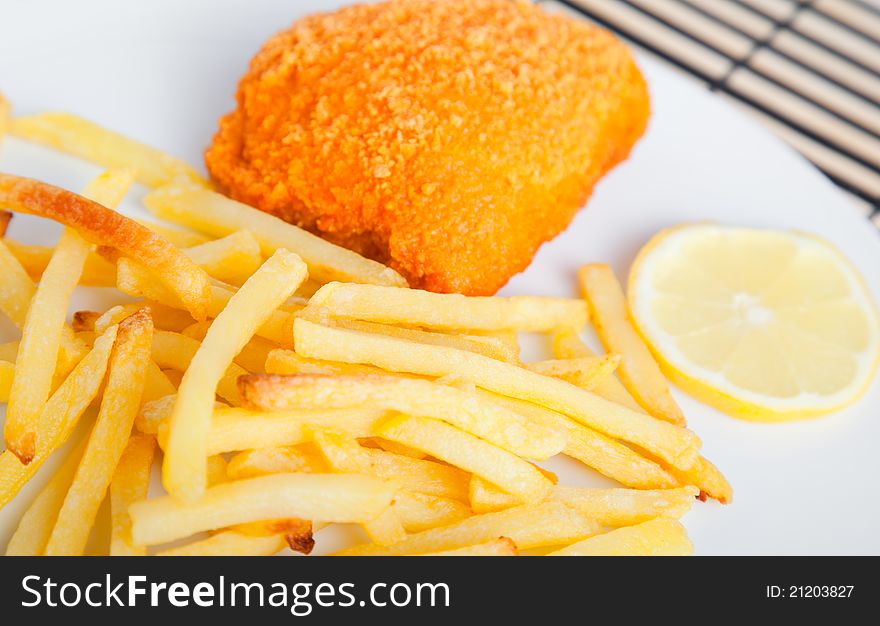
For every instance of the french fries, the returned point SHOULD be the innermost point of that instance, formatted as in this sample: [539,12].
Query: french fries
[547,524]
[183,470]
[87,140]
[122,397]
[129,485]
[59,416]
[658,537]
[279,460]
[176,351]
[420,511]
[445,442]
[289,362]
[97,271]
[218,215]
[678,446]
[585,373]
[36,524]
[495,424]
[625,507]
[327,497]
[638,370]
[395,305]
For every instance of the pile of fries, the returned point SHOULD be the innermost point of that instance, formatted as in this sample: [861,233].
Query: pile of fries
[285,384]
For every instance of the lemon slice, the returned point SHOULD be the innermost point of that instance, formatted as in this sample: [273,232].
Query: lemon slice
[764,325]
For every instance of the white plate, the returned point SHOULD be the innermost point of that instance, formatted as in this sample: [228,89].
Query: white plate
[163,71]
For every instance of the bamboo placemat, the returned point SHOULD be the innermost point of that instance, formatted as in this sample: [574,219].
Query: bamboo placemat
[807,69]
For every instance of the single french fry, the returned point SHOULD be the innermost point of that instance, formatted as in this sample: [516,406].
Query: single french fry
[129,485]
[657,537]
[481,344]
[344,498]
[638,370]
[385,529]
[625,507]
[278,460]
[87,140]
[109,436]
[703,475]
[135,280]
[502,546]
[678,446]
[428,477]
[585,373]
[36,524]
[175,351]
[232,258]
[183,470]
[230,543]
[215,214]
[547,524]
[40,343]
[97,272]
[470,453]
[419,511]
[180,237]
[103,226]
[59,416]
[600,452]
[495,424]
[7,372]
[395,305]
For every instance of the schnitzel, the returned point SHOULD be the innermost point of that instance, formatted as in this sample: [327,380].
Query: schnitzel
[446,138]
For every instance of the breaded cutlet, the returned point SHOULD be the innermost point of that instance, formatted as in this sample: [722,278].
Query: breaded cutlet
[446,138]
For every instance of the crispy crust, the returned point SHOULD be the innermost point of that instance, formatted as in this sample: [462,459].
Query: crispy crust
[103,226]
[448,139]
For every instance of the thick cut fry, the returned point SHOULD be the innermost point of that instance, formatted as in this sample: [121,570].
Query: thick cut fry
[129,485]
[657,537]
[638,370]
[182,238]
[585,373]
[176,351]
[485,345]
[427,477]
[183,470]
[97,271]
[420,511]
[107,441]
[567,345]
[230,543]
[624,507]
[547,524]
[36,524]
[218,215]
[7,371]
[677,446]
[135,280]
[604,454]
[103,226]
[280,460]
[385,529]
[327,497]
[231,259]
[59,417]
[40,343]
[502,546]
[470,453]
[497,425]
[87,140]
[414,307]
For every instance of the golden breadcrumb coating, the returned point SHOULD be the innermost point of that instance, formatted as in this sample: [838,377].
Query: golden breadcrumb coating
[447,138]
